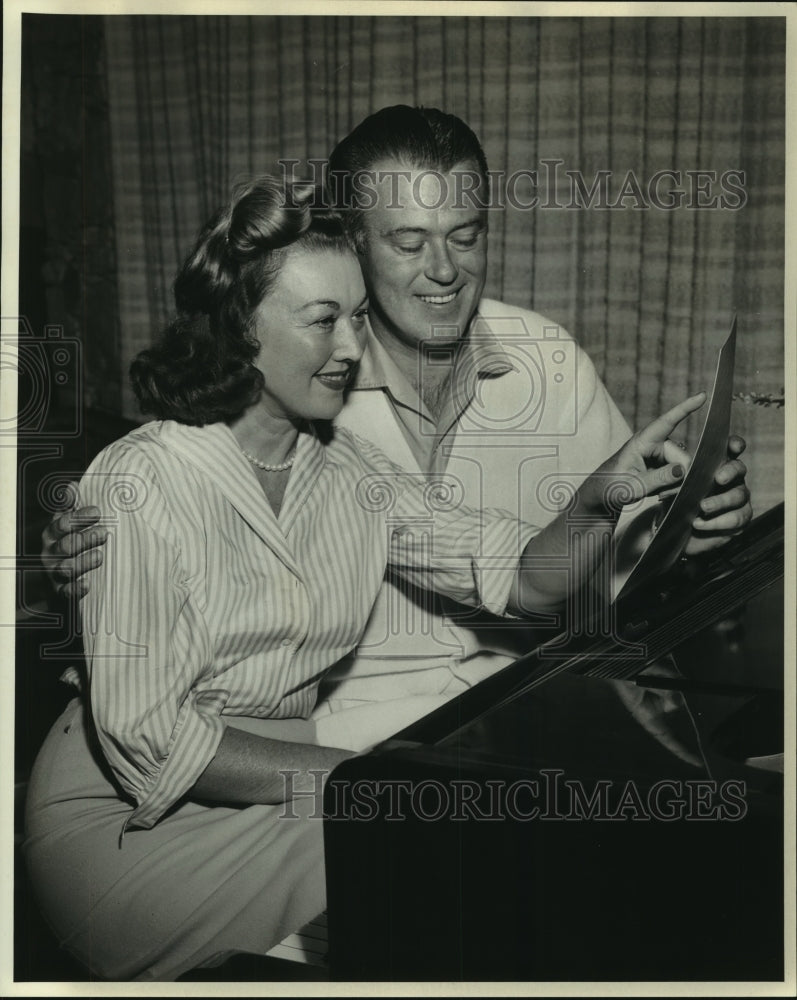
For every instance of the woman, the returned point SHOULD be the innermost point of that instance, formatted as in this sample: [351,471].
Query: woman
[247,545]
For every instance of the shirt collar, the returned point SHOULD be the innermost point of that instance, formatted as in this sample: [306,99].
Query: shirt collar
[483,352]
[214,450]
[377,370]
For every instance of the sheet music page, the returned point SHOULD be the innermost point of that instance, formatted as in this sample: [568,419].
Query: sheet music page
[673,533]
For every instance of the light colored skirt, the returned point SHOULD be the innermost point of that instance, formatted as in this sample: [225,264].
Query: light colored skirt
[204,882]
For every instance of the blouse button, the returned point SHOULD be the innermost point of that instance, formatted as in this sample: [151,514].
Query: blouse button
[287,642]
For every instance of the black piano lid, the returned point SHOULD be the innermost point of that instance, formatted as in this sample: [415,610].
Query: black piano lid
[624,892]
[575,703]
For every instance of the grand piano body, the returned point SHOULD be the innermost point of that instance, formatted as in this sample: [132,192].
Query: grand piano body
[537,829]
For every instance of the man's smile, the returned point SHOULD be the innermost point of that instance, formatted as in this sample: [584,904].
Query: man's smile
[439,300]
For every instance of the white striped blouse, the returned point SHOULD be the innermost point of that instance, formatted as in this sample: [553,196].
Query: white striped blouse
[208,605]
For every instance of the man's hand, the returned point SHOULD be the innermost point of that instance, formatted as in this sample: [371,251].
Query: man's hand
[727,510]
[72,547]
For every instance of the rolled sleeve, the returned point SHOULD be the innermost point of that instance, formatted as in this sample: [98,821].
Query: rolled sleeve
[495,569]
[196,736]
[146,643]
[436,541]
[470,556]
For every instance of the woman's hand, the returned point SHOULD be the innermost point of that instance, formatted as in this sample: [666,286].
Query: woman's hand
[650,462]
[647,463]
[554,564]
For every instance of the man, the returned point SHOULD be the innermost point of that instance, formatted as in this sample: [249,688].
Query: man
[498,401]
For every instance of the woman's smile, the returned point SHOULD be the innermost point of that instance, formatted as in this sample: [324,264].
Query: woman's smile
[337,380]
[311,328]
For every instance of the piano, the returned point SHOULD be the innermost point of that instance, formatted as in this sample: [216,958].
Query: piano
[586,814]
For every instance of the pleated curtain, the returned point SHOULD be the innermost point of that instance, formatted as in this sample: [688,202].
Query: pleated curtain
[199,103]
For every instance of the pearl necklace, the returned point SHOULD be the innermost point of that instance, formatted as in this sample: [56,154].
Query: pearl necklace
[270,468]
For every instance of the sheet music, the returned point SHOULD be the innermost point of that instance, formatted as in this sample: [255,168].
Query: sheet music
[669,541]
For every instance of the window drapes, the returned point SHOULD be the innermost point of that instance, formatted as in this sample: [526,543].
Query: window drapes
[654,148]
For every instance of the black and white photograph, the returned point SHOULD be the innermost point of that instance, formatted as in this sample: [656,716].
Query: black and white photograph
[398,499]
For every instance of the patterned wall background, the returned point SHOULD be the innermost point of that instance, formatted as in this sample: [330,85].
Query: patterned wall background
[196,103]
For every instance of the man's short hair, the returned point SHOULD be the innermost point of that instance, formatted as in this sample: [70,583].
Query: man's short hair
[419,137]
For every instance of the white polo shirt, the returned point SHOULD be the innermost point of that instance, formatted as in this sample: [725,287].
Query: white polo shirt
[526,417]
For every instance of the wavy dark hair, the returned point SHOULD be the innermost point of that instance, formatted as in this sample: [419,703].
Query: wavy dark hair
[201,369]
[416,136]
